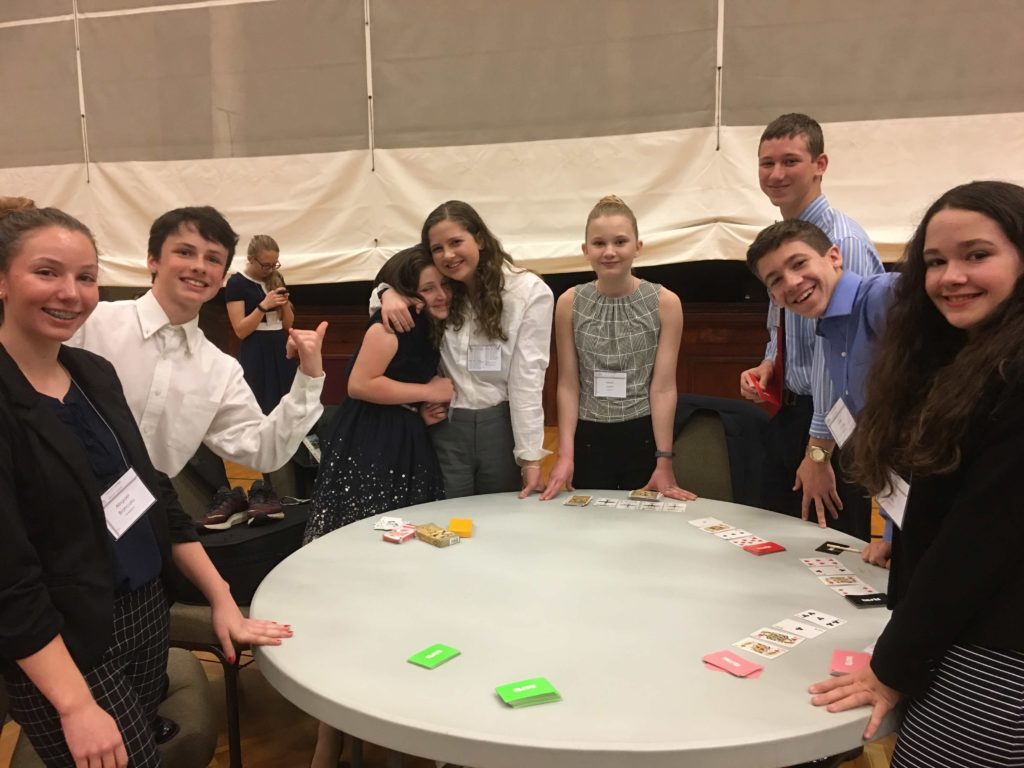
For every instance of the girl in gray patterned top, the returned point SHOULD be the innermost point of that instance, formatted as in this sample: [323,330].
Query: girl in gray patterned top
[618,341]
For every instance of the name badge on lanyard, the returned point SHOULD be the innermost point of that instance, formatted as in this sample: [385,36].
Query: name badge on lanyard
[610,384]
[840,422]
[774,315]
[125,502]
[894,503]
[484,357]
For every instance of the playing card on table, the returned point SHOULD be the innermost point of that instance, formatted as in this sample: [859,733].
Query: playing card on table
[819,562]
[675,506]
[826,620]
[704,522]
[651,505]
[874,600]
[605,502]
[839,581]
[717,528]
[627,504]
[764,548]
[735,533]
[801,628]
[831,570]
[387,523]
[642,495]
[746,541]
[733,664]
[759,647]
[777,637]
[835,548]
[860,588]
[577,500]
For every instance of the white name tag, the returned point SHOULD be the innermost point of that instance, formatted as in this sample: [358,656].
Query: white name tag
[484,357]
[894,503]
[774,315]
[840,422]
[125,502]
[609,383]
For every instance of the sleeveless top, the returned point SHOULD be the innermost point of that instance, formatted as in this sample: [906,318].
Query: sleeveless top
[616,334]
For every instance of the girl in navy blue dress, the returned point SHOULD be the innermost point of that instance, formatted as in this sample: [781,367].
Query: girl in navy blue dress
[261,314]
[378,456]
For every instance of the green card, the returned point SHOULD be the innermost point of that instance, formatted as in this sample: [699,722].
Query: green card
[434,656]
[526,693]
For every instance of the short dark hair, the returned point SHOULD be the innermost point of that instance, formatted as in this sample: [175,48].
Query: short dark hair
[796,124]
[207,220]
[782,232]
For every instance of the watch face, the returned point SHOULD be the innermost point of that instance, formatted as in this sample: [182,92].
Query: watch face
[817,454]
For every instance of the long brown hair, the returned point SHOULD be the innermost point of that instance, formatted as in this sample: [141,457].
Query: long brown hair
[927,379]
[486,299]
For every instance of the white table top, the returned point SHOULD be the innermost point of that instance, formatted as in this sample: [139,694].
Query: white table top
[615,607]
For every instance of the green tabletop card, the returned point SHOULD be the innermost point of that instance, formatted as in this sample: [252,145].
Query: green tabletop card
[434,656]
[526,693]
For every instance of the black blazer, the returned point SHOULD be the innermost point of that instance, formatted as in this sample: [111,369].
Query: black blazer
[956,577]
[56,575]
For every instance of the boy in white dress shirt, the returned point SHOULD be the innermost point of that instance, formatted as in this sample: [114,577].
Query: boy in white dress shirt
[183,390]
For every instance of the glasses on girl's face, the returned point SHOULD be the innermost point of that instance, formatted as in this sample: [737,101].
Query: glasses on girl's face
[275,265]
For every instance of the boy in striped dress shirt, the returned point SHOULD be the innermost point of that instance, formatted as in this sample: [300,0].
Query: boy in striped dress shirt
[799,471]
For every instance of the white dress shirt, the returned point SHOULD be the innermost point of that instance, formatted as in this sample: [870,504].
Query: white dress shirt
[526,314]
[183,391]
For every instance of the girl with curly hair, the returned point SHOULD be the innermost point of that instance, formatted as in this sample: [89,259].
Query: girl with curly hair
[495,350]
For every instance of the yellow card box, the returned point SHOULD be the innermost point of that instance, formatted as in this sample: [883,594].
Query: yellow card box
[436,535]
[461,527]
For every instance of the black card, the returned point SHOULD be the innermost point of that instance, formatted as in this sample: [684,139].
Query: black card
[867,601]
[834,548]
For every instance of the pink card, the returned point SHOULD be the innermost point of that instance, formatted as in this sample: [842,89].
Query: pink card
[732,663]
[844,662]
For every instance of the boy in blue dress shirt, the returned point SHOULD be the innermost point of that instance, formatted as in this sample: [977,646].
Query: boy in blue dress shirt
[803,272]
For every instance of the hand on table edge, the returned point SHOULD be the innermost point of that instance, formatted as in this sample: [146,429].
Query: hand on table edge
[860,688]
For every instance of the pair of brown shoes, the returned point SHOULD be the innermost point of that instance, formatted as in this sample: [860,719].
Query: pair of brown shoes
[231,507]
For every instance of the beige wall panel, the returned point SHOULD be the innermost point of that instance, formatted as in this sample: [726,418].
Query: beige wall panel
[20,10]
[40,123]
[489,71]
[236,80]
[871,60]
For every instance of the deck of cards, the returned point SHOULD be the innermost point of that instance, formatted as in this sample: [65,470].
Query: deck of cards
[577,500]
[436,535]
[434,656]
[845,662]
[401,534]
[528,693]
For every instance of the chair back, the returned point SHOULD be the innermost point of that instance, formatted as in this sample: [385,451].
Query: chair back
[719,445]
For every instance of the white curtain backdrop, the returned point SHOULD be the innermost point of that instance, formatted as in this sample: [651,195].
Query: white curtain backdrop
[530,110]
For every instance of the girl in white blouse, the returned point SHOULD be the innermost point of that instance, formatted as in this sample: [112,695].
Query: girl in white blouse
[495,351]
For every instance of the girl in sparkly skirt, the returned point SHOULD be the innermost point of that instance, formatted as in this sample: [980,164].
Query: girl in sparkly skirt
[378,456]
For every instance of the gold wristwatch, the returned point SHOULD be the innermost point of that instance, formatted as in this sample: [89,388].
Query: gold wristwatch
[818,455]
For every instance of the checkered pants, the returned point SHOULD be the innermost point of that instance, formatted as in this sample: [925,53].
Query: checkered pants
[128,683]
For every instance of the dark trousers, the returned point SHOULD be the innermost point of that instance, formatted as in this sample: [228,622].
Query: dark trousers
[475,450]
[128,683]
[785,447]
[614,456]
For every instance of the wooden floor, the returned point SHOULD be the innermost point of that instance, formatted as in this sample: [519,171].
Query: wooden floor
[276,734]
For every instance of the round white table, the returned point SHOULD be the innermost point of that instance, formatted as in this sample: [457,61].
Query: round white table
[616,607]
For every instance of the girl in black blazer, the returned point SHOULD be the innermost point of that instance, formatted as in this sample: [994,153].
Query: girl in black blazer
[945,410]
[89,526]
